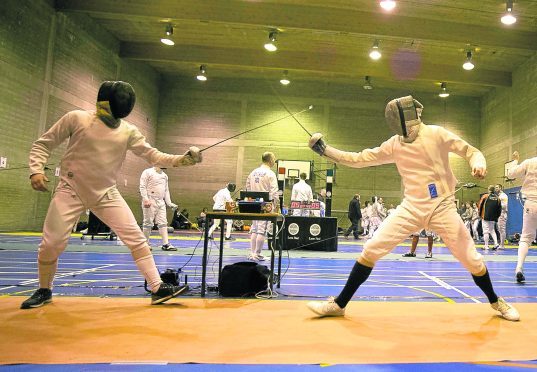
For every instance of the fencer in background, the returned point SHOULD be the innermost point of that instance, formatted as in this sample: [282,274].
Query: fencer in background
[98,143]
[155,197]
[490,209]
[377,214]
[262,179]
[527,171]
[220,199]
[421,155]
[302,192]
[354,214]
[502,220]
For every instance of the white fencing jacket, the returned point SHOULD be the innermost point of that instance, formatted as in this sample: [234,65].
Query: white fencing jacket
[154,185]
[263,179]
[301,192]
[220,199]
[94,154]
[527,170]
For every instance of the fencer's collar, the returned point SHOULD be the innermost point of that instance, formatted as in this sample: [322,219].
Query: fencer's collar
[105,114]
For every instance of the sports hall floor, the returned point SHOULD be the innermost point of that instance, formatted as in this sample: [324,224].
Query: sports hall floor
[412,314]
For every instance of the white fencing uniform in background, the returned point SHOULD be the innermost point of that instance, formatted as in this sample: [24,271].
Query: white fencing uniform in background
[527,170]
[220,199]
[301,192]
[502,220]
[154,190]
[261,179]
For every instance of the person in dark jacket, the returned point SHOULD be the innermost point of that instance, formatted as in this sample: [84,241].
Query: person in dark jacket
[354,215]
[490,209]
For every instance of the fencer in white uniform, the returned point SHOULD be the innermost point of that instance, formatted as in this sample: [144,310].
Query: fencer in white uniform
[527,170]
[302,192]
[262,179]
[155,197]
[377,214]
[421,154]
[502,220]
[220,199]
[98,144]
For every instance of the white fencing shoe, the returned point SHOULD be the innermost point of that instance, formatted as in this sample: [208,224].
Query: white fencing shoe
[507,311]
[326,308]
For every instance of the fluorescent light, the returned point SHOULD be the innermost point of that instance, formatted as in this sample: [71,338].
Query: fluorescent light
[443,91]
[285,79]
[468,65]
[508,18]
[271,45]
[168,38]
[374,53]
[202,74]
[388,5]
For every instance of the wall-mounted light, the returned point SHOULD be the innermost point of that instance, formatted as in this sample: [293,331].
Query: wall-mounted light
[508,18]
[443,91]
[271,45]
[167,38]
[285,78]
[468,64]
[367,84]
[374,53]
[388,5]
[202,75]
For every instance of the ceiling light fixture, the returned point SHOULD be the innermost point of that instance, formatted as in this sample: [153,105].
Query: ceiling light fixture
[285,78]
[168,38]
[271,45]
[202,76]
[468,65]
[374,53]
[443,91]
[388,5]
[508,18]
[367,85]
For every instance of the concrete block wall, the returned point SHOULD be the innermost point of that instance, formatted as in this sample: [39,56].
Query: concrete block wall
[509,122]
[52,63]
[201,114]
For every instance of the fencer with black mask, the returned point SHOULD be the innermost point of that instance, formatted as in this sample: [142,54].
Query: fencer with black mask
[220,199]
[421,155]
[98,143]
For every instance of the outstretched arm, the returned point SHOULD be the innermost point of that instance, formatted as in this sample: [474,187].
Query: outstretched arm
[365,158]
[519,170]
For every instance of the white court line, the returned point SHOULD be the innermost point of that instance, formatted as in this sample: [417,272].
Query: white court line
[32,281]
[443,284]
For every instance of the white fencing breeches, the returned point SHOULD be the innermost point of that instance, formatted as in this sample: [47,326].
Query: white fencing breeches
[444,221]
[63,211]
[502,227]
[529,227]
[488,228]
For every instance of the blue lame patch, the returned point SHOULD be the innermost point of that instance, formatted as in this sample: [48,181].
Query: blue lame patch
[432,190]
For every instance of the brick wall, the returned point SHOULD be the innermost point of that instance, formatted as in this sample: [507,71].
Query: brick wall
[509,122]
[194,113]
[58,69]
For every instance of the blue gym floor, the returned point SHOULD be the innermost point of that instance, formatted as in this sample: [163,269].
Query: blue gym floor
[105,269]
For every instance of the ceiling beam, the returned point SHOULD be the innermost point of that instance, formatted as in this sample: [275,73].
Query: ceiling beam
[286,16]
[314,63]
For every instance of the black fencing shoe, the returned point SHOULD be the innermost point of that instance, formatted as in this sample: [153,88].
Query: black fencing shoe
[520,277]
[409,254]
[40,297]
[165,292]
[230,238]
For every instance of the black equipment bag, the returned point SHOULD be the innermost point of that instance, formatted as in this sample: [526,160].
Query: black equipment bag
[243,279]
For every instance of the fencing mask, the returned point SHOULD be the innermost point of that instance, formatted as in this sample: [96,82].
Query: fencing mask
[231,187]
[403,116]
[115,98]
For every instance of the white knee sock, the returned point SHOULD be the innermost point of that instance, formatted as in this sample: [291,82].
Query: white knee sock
[523,248]
[486,239]
[46,271]
[259,244]
[146,265]
[229,226]
[213,227]
[253,239]
[164,233]
[147,232]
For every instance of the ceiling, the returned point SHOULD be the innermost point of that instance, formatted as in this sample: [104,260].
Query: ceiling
[423,42]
